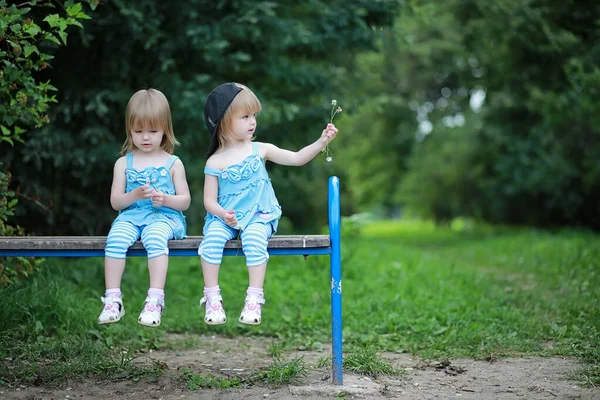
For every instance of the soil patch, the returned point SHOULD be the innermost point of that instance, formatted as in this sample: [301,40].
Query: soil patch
[511,378]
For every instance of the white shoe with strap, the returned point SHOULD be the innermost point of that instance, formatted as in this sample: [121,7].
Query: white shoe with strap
[152,312]
[214,312]
[251,314]
[113,310]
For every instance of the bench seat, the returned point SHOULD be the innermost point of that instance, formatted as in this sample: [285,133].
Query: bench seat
[78,246]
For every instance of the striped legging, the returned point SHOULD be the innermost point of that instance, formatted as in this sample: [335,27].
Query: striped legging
[254,242]
[123,234]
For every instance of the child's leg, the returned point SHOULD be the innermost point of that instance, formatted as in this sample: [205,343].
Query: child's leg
[121,236]
[211,250]
[254,242]
[155,238]
[211,255]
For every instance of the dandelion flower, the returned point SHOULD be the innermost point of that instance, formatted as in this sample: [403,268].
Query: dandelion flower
[334,111]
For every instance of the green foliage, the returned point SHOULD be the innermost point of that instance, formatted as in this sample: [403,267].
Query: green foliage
[535,135]
[12,269]
[445,176]
[295,56]
[402,84]
[541,114]
[24,100]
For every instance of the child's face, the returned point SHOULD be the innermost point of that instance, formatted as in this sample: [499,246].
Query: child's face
[147,138]
[243,126]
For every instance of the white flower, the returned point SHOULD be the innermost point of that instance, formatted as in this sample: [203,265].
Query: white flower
[163,173]
[329,159]
[333,102]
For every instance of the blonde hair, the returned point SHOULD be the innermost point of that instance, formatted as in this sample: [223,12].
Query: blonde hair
[245,101]
[149,108]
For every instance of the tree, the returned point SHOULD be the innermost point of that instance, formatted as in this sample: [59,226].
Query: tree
[25,35]
[294,55]
[535,137]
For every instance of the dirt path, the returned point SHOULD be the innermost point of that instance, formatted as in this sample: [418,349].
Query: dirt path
[514,378]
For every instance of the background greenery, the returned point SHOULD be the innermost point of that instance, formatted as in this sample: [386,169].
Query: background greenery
[460,108]
[296,56]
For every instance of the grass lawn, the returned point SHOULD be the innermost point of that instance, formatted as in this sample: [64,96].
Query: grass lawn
[460,291]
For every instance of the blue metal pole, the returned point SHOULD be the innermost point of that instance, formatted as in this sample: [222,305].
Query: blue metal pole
[336,278]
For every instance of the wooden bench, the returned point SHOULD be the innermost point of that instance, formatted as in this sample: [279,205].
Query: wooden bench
[302,245]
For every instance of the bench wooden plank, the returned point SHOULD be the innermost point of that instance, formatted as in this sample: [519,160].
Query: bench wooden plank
[192,242]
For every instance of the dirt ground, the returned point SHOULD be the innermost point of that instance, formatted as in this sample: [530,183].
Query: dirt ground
[513,378]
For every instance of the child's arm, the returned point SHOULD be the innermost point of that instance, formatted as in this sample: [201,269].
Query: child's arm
[181,200]
[211,191]
[301,157]
[119,200]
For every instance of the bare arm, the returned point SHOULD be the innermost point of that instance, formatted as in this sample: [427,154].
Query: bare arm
[119,200]
[181,200]
[211,191]
[300,157]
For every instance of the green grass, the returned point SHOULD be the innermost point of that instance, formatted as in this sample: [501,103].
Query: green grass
[367,362]
[281,373]
[195,381]
[461,291]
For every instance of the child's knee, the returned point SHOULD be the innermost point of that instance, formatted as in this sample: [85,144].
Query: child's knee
[256,252]
[154,252]
[116,248]
[156,246]
[211,251]
[121,236]
[156,240]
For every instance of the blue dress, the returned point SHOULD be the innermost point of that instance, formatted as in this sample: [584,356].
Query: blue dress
[246,188]
[142,212]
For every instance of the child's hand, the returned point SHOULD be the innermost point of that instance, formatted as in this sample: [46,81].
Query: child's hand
[144,192]
[230,218]
[329,133]
[158,199]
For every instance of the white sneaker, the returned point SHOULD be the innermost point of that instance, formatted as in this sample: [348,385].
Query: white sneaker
[113,310]
[251,314]
[214,314]
[152,311]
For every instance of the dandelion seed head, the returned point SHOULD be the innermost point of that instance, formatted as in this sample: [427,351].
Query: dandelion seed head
[333,102]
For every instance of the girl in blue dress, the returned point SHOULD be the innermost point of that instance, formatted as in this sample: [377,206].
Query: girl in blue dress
[150,191]
[238,195]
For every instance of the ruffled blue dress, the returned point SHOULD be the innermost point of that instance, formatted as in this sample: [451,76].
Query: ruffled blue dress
[142,212]
[246,188]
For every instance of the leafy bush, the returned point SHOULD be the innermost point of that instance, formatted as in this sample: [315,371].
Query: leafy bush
[25,31]
[12,269]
